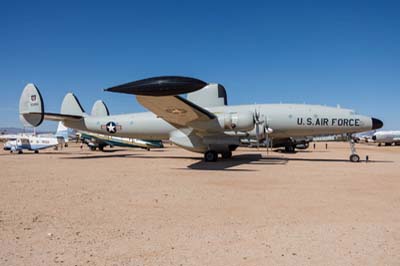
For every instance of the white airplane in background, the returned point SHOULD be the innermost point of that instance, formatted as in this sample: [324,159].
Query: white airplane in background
[37,142]
[386,137]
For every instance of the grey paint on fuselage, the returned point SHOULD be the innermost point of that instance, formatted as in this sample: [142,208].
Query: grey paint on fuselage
[286,120]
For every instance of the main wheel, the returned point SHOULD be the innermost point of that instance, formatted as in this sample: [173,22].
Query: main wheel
[354,158]
[36,151]
[210,156]
[226,154]
[290,149]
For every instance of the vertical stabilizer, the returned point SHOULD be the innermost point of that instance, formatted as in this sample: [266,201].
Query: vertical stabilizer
[100,109]
[31,107]
[211,95]
[71,106]
[62,131]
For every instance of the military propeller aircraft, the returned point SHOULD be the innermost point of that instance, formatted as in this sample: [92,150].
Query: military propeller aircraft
[100,141]
[203,121]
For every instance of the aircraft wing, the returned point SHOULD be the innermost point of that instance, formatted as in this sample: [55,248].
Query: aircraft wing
[176,110]
[160,96]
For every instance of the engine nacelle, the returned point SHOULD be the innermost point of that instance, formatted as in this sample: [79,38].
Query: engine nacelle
[242,121]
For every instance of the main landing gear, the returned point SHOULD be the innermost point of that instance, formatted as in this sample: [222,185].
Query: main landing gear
[226,154]
[354,156]
[290,149]
[212,156]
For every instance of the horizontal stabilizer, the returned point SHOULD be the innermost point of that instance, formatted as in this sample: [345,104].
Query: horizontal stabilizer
[61,117]
[54,117]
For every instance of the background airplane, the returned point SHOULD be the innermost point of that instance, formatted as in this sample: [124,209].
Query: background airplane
[289,144]
[99,141]
[387,137]
[37,142]
[202,122]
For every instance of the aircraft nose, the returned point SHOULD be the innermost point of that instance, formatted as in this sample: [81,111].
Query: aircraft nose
[376,123]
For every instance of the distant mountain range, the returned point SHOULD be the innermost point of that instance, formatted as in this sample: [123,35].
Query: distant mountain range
[16,130]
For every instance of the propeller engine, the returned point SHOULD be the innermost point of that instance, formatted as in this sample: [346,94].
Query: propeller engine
[261,128]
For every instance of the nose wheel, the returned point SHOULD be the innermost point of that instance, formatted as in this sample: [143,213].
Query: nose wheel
[354,158]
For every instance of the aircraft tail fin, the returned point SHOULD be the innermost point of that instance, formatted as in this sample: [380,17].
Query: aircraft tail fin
[71,106]
[211,95]
[32,113]
[100,109]
[31,107]
[62,131]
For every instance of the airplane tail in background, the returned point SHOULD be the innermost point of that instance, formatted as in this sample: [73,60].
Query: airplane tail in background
[100,109]
[62,131]
[32,113]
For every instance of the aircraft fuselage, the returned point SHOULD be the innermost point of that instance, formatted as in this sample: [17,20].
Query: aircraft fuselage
[286,120]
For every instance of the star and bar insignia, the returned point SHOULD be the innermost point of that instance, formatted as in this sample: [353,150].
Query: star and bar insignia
[111,127]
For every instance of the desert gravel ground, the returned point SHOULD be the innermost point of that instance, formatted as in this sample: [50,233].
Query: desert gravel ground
[166,207]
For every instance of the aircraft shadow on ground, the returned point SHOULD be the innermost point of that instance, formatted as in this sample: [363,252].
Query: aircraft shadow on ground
[226,164]
[336,160]
[221,164]
[31,153]
[89,156]
[115,150]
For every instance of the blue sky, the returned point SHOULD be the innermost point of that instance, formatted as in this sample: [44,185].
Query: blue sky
[317,52]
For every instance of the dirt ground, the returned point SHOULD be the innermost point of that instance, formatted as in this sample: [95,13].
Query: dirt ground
[167,207]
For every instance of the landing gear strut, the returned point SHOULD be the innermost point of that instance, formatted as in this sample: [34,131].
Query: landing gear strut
[354,156]
[290,149]
[210,156]
[226,154]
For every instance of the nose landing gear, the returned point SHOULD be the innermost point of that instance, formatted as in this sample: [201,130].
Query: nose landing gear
[354,157]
